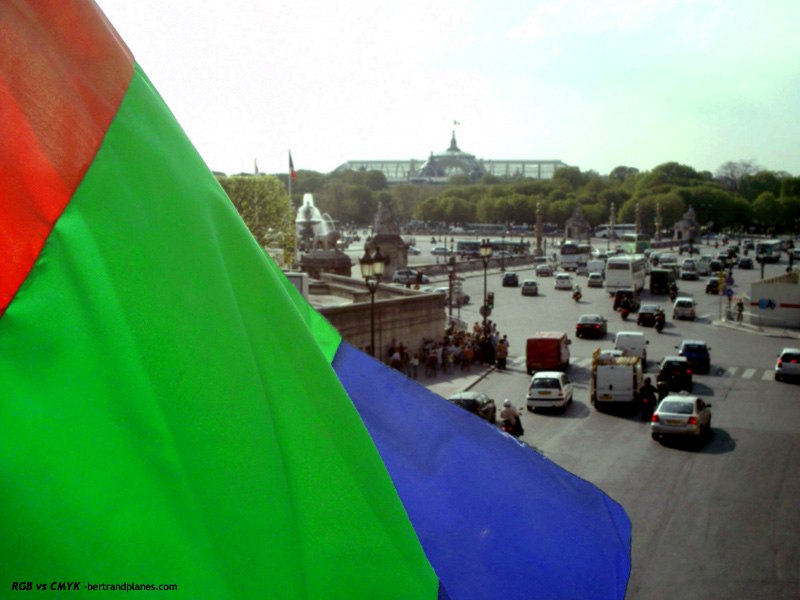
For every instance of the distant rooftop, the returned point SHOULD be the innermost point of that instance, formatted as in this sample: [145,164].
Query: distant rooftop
[439,167]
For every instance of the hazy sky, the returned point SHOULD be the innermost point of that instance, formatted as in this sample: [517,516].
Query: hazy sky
[594,83]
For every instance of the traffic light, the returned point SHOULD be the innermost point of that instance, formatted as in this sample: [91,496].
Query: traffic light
[490,299]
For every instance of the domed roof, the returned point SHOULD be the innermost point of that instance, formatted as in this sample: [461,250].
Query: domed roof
[455,161]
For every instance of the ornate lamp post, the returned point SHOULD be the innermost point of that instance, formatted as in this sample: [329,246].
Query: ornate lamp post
[503,252]
[610,225]
[539,251]
[451,261]
[658,222]
[485,251]
[372,271]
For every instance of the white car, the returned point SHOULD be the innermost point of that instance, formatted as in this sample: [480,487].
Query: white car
[530,288]
[549,389]
[788,364]
[684,308]
[681,414]
[563,281]
[544,270]
[440,251]
[595,280]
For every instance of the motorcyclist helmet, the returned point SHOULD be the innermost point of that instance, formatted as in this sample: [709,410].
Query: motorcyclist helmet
[506,402]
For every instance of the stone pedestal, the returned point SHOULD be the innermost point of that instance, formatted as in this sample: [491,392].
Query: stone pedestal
[394,249]
[325,261]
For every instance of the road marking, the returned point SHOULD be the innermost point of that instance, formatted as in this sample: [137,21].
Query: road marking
[748,373]
[717,372]
[730,372]
[583,362]
[768,375]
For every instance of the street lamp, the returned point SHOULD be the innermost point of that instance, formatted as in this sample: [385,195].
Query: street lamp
[452,262]
[372,271]
[485,251]
[503,252]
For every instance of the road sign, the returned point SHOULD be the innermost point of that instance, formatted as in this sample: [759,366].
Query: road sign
[729,281]
[485,311]
[729,293]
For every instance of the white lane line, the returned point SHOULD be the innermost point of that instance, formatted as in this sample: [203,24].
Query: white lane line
[731,372]
[768,375]
[748,373]
[583,362]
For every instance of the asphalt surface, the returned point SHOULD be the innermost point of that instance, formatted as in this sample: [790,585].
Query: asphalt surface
[710,520]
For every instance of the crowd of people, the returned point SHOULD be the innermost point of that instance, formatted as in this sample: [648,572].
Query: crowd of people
[458,349]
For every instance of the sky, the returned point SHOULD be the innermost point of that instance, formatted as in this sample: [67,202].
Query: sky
[594,83]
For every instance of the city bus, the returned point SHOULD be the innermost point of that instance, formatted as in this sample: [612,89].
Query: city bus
[573,253]
[769,249]
[471,248]
[625,272]
[635,243]
[621,229]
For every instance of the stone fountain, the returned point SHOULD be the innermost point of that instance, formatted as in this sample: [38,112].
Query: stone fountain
[317,237]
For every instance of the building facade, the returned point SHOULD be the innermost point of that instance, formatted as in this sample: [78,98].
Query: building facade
[438,168]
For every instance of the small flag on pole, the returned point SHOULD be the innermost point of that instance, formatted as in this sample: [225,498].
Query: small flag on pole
[291,166]
[255,161]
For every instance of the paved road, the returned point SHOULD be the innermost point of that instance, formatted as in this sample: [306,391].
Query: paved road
[719,520]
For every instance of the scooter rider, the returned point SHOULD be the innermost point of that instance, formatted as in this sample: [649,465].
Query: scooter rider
[576,292]
[510,416]
[647,394]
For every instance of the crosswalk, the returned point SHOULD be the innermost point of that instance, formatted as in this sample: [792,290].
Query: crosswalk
[716,371]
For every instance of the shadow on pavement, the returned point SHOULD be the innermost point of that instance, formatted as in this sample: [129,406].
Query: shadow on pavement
[718,442]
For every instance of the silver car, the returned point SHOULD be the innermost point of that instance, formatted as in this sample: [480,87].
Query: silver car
[788,364]
[530,288]
[681,414]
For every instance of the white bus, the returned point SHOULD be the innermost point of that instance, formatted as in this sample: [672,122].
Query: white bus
[573,253]
[770,250]
[625,272]
[601,231]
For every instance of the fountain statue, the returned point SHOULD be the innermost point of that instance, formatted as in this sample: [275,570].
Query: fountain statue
[317,237]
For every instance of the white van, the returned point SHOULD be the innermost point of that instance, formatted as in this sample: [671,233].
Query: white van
[596,266]
[632,343]
[614,379]
[703,263]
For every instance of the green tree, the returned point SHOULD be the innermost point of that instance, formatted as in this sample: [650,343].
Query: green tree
[730,173]
[265,208]
[752,186]
[767,210]
[790,187]
[375,180]
[570,177]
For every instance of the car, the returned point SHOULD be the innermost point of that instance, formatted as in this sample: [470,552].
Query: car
[549,389]
[689,273]
[477,403]
[788,364]
[631,295]
[410,276]
[582,269]
[594,280]
[676,372]
[440,251]
[697,353]
[712,286]
[563,281]
[647,314]
[745,262]
[544,271]
[715,266]
[690,248]
[591,326]
[414,251]
[530,287]
[681,414]
[684,308]
[510,280]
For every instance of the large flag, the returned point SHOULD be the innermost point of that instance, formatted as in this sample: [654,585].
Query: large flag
[175,414]
[291,166]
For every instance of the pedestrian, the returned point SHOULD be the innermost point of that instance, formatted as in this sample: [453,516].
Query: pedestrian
[415,365]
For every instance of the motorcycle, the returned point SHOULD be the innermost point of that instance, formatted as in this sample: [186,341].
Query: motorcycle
[512,427]
[648,408]
[659,323]
[673,293]
[624,314]
[576,294]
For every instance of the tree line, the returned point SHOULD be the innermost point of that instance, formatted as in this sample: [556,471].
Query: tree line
[738,196]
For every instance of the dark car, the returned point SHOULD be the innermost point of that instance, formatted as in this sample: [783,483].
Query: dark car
[631,295]
[746,262]
[647,314]
[697,353]
[477,403]
[676,372]
[510,280]
[591,326]
[712,286]
[715,266]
